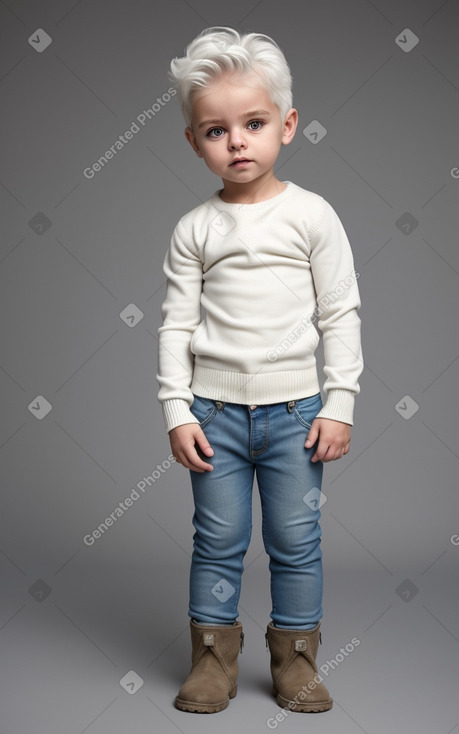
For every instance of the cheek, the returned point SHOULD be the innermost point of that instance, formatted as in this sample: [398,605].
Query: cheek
[273,144]
[214,152]
[214,158]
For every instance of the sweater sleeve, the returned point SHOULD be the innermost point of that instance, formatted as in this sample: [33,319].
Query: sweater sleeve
[338,300]
[181,312]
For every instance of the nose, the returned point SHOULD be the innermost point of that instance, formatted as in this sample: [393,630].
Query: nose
[236,139]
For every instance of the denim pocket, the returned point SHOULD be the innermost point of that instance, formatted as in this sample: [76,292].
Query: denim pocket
[203,409]
[306,409]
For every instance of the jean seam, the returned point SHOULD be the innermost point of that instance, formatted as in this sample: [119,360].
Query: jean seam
[300,419]
[210,417]
[266,443]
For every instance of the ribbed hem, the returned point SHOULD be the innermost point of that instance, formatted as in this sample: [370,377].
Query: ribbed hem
[339,406]
[261,388]
[176,413]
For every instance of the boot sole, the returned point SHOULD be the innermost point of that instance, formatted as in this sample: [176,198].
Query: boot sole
[302,708]
[204,708]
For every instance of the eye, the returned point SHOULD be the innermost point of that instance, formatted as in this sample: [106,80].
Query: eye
[258,123]
[215,132]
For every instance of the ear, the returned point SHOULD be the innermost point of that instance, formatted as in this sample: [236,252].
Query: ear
[290,125]
[189,134]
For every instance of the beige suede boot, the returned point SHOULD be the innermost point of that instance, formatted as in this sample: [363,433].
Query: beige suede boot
[296,680]
[213,677]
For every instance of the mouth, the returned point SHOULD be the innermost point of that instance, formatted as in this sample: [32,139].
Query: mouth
[240,162]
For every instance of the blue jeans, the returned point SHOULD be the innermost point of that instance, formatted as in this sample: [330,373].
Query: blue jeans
[268,439]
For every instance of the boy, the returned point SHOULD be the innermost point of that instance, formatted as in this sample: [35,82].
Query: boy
[239,387]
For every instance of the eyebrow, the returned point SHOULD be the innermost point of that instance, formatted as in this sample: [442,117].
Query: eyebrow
[254,113]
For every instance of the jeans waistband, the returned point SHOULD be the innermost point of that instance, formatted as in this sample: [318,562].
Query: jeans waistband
[290,404]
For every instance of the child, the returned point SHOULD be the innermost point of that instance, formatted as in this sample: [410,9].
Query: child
[238,384]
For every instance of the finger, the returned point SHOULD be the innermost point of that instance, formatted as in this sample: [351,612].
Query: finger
[342,451]
[323,452]
[319,453]
[311,437]
[194,460]
[203,444]
[192,466]
[333,455]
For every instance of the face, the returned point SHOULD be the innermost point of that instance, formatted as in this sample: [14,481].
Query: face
[237,130]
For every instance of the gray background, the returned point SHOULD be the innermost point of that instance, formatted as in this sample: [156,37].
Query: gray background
[75,619]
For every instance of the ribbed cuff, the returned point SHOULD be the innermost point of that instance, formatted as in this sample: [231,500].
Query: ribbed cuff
[339,406]
[176,413]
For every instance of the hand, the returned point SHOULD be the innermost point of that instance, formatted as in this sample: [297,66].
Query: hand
[183,440]
[334,439]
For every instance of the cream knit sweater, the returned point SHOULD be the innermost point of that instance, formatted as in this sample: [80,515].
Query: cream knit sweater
[265,274]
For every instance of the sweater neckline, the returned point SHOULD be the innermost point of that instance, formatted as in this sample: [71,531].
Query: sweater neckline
[232,206]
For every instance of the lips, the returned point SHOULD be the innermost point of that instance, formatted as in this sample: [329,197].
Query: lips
[240,160]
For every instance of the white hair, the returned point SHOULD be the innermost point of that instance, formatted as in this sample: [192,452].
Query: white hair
[217,50]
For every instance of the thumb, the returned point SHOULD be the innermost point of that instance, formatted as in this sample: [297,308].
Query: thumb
[312,436]
[203,443]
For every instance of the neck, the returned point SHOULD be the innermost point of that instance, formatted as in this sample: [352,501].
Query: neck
[252,192]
